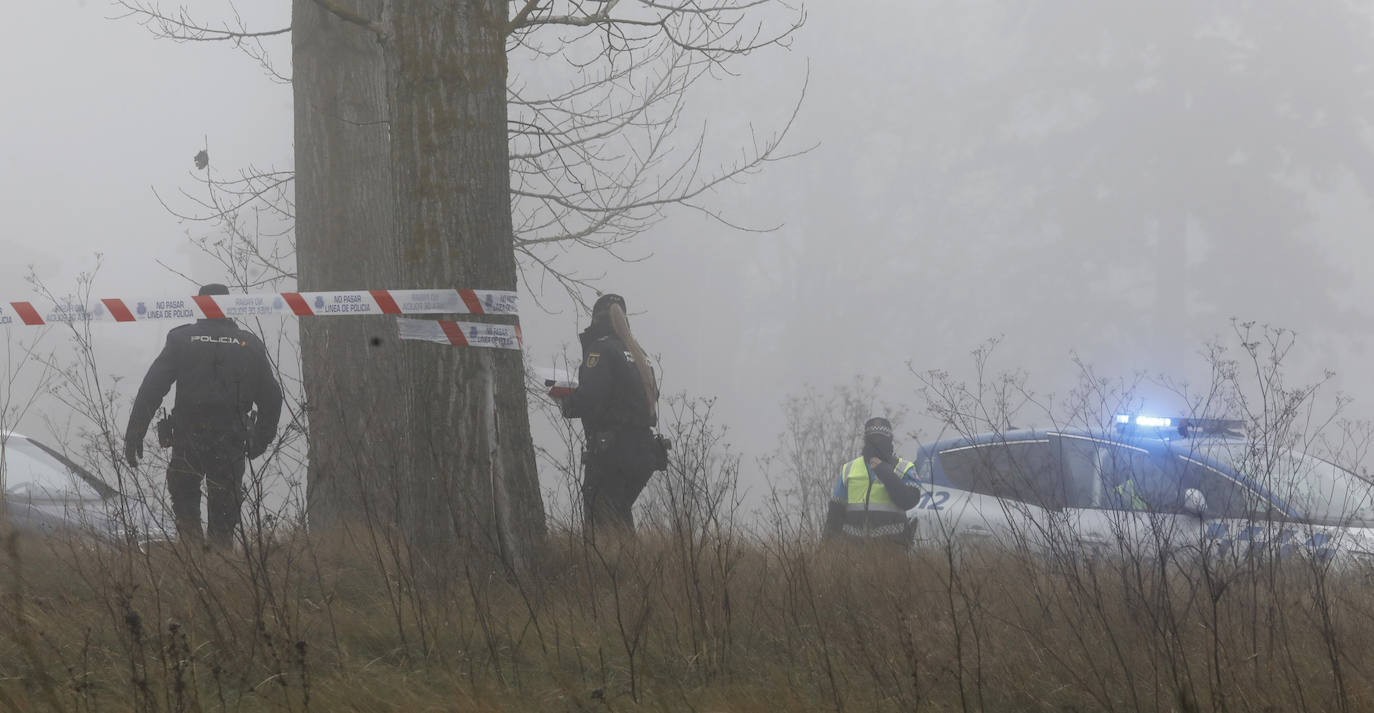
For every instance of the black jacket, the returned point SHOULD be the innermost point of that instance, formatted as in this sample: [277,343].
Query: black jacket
[221,373]
[610,395]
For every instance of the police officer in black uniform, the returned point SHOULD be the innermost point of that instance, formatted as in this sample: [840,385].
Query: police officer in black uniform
[616,398]
[222,372]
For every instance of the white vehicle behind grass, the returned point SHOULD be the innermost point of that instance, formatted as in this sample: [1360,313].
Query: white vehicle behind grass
[1147,486]
[47,493]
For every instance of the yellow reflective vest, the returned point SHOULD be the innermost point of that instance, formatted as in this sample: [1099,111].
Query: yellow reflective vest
[869,510]
[1128,497]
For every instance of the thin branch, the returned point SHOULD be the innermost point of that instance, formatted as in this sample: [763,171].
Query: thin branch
[352,17]
[519,20]
[181,27]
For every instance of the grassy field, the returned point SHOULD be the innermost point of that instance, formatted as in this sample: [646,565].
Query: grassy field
[675,621]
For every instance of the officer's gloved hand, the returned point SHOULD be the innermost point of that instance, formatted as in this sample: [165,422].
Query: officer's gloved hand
[880,448]
[888,455]
[133,450]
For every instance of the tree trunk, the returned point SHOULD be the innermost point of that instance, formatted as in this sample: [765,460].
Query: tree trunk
[345,241]
[471,477]
[403,182]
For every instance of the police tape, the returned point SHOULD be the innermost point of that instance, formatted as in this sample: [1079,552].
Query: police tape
[301,304]
[461,334]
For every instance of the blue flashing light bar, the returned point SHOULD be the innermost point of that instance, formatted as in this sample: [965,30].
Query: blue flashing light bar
[1144,421]
[1187,427]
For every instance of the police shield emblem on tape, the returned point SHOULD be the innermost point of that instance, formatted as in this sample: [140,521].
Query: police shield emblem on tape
[461,334]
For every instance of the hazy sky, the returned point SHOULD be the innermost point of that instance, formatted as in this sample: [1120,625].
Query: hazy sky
[97,115]
[905,235]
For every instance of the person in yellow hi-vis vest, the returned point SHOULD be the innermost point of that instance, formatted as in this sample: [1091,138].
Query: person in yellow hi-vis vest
[874,491]
[1128,496]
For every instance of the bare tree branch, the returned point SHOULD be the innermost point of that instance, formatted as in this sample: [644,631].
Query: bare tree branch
[349,16]
[180,26]
[595,130]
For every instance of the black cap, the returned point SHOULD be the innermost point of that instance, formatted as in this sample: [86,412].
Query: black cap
[605,301]
[878,426]
[214,288]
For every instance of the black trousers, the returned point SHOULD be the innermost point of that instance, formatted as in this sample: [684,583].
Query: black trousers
[616,474]
[217,460]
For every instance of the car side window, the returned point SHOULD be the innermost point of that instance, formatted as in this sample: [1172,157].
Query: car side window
[1133,479]
[1019,470]
[1082,487]
[1225,497]
[1112,476]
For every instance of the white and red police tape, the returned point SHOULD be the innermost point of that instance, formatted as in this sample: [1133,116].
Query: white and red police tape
[461,334]
[301,304]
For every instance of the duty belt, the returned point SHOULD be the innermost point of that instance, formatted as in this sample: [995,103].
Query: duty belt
[895,528]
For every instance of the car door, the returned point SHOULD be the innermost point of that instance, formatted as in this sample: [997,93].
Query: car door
[1122,498]
[1240,519]
[997,490]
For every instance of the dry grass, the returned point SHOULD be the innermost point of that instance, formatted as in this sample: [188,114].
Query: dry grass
[675,621]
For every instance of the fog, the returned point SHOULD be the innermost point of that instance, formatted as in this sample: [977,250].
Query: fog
[1107,182]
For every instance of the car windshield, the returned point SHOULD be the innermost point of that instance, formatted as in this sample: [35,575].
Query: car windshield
[1320,491]
[31,472]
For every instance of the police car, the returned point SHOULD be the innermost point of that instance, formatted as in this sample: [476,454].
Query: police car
[47,493]
[1144,486]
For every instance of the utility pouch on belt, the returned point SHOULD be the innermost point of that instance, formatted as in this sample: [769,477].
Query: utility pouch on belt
[164,431]
[660,451]
[600,442]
